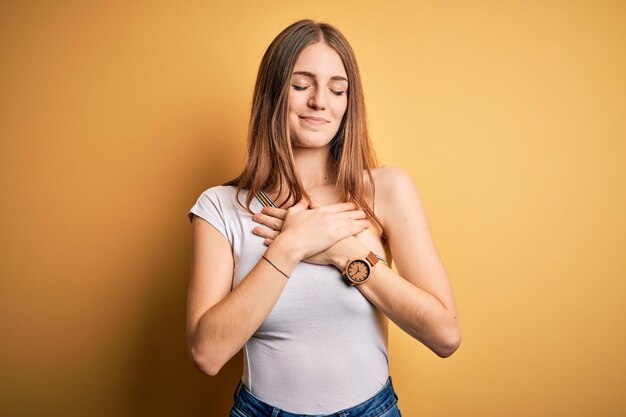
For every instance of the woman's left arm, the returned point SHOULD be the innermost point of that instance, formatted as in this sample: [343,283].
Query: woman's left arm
[419,297]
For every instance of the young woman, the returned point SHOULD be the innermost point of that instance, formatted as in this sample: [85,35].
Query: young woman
[291,259]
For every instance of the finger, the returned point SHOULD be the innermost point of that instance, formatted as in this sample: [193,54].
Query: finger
[351,229]
[358,224]
[265,232]
[268,241]
[347,215]
[275,212]
[352,215]
[339,207]
[271,222]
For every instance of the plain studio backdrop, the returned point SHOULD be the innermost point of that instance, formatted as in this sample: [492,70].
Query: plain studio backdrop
[510,116]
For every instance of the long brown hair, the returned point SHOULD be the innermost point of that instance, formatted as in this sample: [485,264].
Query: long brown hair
[269,159]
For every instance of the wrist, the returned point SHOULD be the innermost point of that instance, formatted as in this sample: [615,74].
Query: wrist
[350,248]
[284,248]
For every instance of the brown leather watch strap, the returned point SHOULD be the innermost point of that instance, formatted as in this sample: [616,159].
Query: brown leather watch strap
[372,258]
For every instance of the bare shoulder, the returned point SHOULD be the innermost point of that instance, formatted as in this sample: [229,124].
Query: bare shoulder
[395,193]
[390,177]
[392,183]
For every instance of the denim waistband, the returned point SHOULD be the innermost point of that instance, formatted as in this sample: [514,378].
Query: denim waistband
[247,405]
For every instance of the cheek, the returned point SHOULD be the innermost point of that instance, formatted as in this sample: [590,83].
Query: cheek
[296,102]
[339,109]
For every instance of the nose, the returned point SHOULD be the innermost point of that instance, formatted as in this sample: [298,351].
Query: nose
[317,100]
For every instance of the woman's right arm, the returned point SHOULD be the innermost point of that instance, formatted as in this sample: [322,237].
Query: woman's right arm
[220,321]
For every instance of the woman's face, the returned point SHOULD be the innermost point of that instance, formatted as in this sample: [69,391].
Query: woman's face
[318,96]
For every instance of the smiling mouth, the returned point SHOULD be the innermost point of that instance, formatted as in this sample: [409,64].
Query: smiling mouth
[314,120]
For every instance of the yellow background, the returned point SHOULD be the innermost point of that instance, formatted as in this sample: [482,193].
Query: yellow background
[509,115]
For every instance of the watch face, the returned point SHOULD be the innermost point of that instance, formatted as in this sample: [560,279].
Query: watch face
[358,270]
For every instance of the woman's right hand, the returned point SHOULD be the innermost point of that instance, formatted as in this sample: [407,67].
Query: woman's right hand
[310,229]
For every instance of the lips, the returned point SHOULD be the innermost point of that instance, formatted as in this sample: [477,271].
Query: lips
[314,120]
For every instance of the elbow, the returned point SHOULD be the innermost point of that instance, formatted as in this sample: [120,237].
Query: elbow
[202,361]
[449,342]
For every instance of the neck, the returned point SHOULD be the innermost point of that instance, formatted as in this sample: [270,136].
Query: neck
[314,166]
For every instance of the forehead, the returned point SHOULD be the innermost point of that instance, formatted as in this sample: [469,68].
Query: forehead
[321,60]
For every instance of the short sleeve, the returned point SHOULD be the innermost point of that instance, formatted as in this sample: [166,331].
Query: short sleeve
[210,208]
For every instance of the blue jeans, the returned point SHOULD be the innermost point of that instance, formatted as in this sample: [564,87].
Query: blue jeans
[382,404]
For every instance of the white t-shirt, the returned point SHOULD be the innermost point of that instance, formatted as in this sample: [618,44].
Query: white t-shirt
[322,348]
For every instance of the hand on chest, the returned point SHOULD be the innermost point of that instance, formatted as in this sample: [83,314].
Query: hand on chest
[370,237]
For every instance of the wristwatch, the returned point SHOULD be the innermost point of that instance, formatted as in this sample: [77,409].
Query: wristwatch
[358,270]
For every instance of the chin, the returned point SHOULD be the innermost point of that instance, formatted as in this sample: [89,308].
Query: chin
[311,143]
[308,140]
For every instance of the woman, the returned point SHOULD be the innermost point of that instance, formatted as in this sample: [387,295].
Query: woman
[290,259]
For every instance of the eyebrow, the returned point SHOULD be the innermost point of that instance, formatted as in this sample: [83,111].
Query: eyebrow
[310,74]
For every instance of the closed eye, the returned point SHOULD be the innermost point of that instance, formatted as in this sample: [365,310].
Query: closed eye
[304,87]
